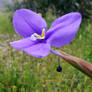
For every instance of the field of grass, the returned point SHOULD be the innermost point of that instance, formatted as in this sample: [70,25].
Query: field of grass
[20,72]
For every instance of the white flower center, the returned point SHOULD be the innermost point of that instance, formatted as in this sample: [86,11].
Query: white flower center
[35,36]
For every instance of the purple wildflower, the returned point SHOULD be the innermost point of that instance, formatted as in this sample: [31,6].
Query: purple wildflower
[36,40]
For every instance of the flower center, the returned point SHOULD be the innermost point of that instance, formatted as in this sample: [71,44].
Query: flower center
[35,36]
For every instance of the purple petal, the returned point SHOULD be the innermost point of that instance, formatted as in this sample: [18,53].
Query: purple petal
[64,33]
[66,19]
[38,50]
[24,43]
[27,22]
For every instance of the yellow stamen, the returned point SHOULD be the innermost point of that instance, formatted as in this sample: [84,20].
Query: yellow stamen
[43,33]
[42,36]
[38,36]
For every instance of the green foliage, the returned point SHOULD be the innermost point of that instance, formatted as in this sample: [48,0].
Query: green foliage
[20,72]
[58,7]
[5,23]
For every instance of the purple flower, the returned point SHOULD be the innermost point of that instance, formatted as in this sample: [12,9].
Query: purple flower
[37,41]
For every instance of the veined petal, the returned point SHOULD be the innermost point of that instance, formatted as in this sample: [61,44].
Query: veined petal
[24,43]
[38,50]
[65,19]
[61,35]
[27,22]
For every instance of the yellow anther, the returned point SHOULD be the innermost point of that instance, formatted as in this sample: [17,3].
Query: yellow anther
[43,33]
[42,36]
[38,36]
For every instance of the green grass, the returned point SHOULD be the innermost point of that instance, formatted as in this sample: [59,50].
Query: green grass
[5,23]
[22,73]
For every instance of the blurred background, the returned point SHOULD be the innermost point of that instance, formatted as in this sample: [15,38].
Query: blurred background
[20,72]
[57,7]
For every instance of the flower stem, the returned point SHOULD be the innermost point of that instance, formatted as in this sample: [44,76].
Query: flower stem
[80,64]
[59,60]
